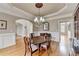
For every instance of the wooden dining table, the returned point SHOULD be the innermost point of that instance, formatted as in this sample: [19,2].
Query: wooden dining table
[41,40]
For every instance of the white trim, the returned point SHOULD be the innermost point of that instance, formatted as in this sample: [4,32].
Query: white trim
[75,9]
[9,9]
[60,16]
[7,39]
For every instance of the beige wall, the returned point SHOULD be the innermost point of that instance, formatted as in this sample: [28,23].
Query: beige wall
[8,36]
[11,23]
[54,24]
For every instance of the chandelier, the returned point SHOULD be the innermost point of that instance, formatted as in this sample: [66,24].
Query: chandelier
[39,19]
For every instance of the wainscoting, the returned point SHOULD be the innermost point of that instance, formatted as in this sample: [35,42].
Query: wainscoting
[7,39]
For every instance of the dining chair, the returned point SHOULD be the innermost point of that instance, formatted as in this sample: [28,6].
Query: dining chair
[29,46]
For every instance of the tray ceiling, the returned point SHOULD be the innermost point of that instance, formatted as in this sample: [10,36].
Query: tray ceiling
[47,8]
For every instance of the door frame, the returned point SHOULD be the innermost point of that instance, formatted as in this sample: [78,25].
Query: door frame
[60,21]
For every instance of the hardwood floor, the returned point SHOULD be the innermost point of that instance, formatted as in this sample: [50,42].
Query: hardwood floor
[18,50]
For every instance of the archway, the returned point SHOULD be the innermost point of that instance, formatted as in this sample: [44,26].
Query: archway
[23,27]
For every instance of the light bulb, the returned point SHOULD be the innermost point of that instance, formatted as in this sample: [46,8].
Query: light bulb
[41,19]
[36,19]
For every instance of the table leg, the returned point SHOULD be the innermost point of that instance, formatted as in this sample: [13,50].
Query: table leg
[39,49]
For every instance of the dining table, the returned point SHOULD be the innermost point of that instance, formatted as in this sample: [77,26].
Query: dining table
[41,40]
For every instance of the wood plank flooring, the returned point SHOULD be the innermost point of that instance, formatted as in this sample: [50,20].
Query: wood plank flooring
[18,50]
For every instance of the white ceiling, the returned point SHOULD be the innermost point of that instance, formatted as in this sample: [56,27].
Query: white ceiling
[47,8]
[28,11]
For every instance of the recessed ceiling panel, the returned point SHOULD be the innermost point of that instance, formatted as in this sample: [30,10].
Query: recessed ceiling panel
[47,8]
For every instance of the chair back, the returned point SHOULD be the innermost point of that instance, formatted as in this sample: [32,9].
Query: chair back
[47,35]
[35,38]
[27,42]
[31,35]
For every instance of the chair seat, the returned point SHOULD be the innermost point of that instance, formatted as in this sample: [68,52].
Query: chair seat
[44,45]
[34,47]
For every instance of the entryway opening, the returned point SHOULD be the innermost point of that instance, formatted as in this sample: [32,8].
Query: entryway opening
[23,27]
[65,35]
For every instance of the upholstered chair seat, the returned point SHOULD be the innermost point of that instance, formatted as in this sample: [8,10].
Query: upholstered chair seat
[34,47]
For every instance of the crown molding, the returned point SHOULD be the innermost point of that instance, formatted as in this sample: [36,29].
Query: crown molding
[61,13]
[60,16]
[77,6]
[11,10]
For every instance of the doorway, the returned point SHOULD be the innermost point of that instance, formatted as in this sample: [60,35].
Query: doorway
[24,27]
[65,35]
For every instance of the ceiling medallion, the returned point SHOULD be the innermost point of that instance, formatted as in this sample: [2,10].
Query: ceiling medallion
[39,5]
